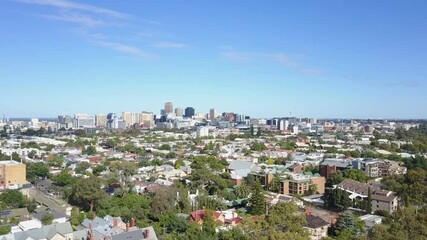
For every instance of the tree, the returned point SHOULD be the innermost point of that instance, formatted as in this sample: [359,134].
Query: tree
[64,178]
[13,198]
[355,174]
[282,222]
[32,205]
[36,171]
[257,200]
[4,229]
[209,224]
[163,202]
[252,130]
[56,161]
[257,146]
[283,215]
[98,169]
[258,133]
[275,185]
[15,156]
[87,192]
[165,147]
[242,191]
[90,150]
[369,202]
[82,167]
[47,219]
[345,222]
[32,154]
[234,234]
[179,163]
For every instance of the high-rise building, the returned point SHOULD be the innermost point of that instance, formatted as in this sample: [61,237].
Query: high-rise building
[283,124]
[240,118]
[112,121]
[213,114]
[168,107]
[189,112]
[228,116]
[101,120]
[147,119]
[179,112]
[65,121]
[127,117]
[83,120]
[136,118]
[312,120]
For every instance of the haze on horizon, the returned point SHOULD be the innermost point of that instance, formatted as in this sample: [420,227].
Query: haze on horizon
[323,59]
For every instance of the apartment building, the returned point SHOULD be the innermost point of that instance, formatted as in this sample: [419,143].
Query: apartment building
[294,183]
[301,184]
[12,174]
[381,199]
[379,167]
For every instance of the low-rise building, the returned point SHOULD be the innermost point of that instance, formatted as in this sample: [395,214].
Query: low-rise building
[381,199]
[12,174]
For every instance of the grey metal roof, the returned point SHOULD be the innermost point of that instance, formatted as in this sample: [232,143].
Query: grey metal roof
[46,232]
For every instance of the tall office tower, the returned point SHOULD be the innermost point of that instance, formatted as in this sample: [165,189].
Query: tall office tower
[136,118]
[34,123]
[228,116]
[240,118]
[179,112]
[168,107]
[189,112]
[127,117]
[65,121]
[147,119]
[212,114]
[283,124]
[83,120]
[286,126]
[112,121]
[101,120]
[312,120]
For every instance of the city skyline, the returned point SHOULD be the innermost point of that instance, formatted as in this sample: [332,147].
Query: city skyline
[330,59]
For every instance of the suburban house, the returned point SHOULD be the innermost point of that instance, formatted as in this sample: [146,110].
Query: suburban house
[316,226]
[226,218]
[239,169]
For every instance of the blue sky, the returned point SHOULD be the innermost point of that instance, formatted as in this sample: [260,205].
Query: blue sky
[355,59]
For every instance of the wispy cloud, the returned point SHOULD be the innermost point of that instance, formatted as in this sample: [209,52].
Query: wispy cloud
[84,20]
[239,56]
[127,49]
[89,18]
[70,5]
[169,45]
[280,58]
[402,84]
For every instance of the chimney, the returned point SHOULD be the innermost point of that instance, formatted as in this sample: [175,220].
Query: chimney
[127,227]
[132,222]
[308,211]
[116,222]
[147,233]
[94,215]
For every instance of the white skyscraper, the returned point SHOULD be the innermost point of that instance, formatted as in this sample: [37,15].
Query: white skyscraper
[179,112]
[83,120]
